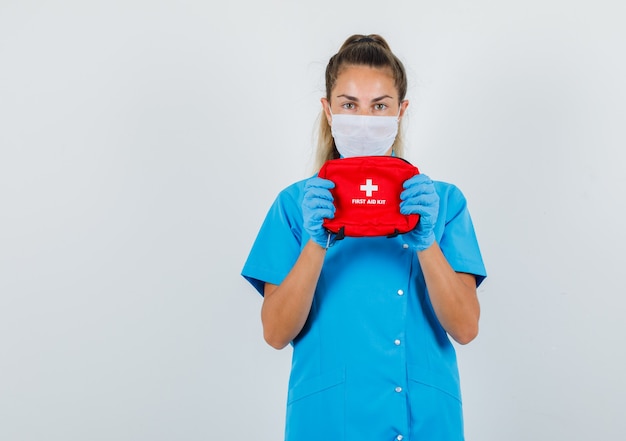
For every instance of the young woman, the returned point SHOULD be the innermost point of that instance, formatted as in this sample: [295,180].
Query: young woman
[369,318]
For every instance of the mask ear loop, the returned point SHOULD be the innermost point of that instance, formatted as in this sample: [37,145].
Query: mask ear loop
[393,152]
[330,111]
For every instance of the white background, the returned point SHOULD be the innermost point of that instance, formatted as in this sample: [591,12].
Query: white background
[141,144]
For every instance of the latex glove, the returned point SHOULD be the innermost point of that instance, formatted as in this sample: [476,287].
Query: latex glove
[419,197]
[317,205]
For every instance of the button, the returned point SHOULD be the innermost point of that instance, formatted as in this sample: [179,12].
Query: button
[405,246]
[400,292]
[398,389]
[399,437]
[396,342]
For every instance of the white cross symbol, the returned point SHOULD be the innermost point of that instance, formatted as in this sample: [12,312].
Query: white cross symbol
[368,188]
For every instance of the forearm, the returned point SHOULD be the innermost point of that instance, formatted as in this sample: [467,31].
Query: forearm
[286,306]
[452,294]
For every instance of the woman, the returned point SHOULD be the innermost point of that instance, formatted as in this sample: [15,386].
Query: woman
[368,317]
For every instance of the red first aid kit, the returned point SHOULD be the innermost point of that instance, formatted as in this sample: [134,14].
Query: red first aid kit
[367,196]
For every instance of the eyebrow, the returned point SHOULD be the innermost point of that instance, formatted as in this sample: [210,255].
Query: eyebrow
[353,98]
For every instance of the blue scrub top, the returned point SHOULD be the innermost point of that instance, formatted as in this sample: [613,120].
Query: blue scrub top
[372,361]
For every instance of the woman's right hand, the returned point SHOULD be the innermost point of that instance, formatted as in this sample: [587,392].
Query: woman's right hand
[287,306]
[317,205]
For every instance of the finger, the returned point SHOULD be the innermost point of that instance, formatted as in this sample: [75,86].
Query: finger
[318,203]
[318,193]
[317,182]
[317,219]
[417,190]
[425,199]
[417,180]
[423,205]
[320,214]
[325,213]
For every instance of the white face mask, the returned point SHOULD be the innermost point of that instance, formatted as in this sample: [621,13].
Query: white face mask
[363,135]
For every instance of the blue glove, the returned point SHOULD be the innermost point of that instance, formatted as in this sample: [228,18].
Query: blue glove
[419,197]
[317,205]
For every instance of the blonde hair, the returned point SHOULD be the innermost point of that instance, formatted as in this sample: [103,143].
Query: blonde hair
[358,50]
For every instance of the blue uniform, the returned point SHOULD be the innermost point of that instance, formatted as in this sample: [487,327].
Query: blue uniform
[372,361]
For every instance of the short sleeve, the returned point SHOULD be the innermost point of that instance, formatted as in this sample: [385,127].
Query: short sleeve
[278,243]
[457,238]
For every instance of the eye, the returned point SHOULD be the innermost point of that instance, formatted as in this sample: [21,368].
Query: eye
[380,106]
[348,106]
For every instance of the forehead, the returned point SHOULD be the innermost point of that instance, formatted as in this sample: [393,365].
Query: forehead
[364,79]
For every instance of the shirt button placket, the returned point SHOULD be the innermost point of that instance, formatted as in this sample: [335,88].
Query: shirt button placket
[398,343]
[399,389]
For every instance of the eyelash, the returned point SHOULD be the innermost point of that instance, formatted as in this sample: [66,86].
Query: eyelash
[377,106]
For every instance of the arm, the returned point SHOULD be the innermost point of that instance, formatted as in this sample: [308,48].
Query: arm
[452,294]
[286,306]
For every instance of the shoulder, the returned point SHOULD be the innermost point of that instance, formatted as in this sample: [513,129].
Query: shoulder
[288,202]
[449,192]
[292,194]
[293,190]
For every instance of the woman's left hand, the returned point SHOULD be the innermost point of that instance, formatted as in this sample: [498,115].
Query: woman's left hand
[420,197]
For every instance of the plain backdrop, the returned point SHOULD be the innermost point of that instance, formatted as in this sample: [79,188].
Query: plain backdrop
[141,144]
